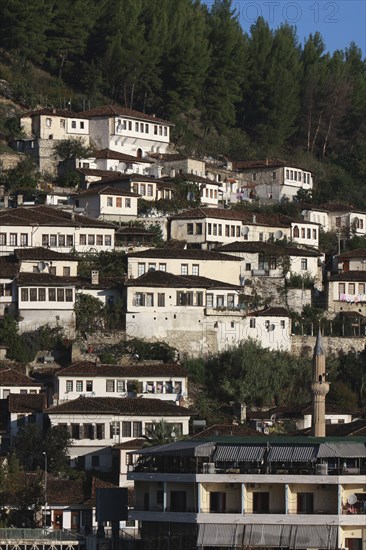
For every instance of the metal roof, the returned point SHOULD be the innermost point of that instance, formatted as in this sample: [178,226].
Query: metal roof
[182,448]
[286,453]
[342,450]
[239,453]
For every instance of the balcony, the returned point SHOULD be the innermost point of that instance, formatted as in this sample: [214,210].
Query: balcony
[237,311]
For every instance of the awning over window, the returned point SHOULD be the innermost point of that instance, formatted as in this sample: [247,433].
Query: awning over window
[287,453]
[342,450]
[239,453]
[293,537]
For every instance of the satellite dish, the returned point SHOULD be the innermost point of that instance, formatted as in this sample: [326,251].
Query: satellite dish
[41,266]
[271,327]
[278,234]
[245,230]
[352,499]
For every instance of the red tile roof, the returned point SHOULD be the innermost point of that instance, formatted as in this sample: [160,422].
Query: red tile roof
[117,111]
[116,155]
[168,280]
[120,405]
[11,377]
[27,403]
[40,253]
[136,370]
[8,267]
[250,218]
[49,111]
[107,190]
[349,276]
[268,248]
[357,253]
[47,216]
[186,254]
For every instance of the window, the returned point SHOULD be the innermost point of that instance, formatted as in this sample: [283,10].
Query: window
[23,239]
[136,126]
[254,176]
[287,174]
[252,323]
[227,230]
[304,264]
[199,299]
[361,288]
[248,267]
[209,229]
[126,429]
[291,174]
[189,228]
[48,122]
[162,267]
[62,123]
[66,271]
[161,299]
[60,295]
[151,266]
[214,229]
[99,431]
[69,385]
[305,503]
[99,240]
[351,288]
[88,431]
[61,240]
[41,294]
[342,288]
[155,130]
[13,239]
[52,295]
[272,263]
[149,299]
[2,239]
[303,232]
[89,385]
[198,228]
[282,324]
[33,294]
[261,236]
[150,190]
[296,232]
[137,429]
[209,300]
[142,189]
[338,221]
[107,240]
[220,301]
[82,240]
[274,175]
[119,202]
[139,299]
[91,240]
[109,201]
[120,386]
[53,240]
[308,233]
[314,234]
[69,295]
[238,231]
[79,385]
[73,124]
[260,503]
[24,295]
[115,429]
[81,125]
[128,203]
[69,240]
[195,269]
[109,386]
[165,130]
[184,269]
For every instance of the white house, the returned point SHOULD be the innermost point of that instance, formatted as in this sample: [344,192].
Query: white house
[96,424]
[109,160]
[274,179]
[25,409]
[166,381]
[107,203]
[339,218]
[127,131]
[44,226]
[14,382]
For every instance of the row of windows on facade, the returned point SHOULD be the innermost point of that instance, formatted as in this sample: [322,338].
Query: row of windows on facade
[7,392]
[22,239]
[356,222]
[293,175]
[350,288]
[306,233]
[209,193]
[53,295]
[119,386]
[119,202]
[142,127]
[183,298]
[143,189]
[267,323]
[63,123]
[125,428]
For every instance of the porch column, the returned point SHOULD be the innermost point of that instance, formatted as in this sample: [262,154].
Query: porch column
[286,497]
[243,497]
[165,496]
[198,498]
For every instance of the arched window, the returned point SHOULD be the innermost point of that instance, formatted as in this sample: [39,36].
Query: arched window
[139,153]
[296,232]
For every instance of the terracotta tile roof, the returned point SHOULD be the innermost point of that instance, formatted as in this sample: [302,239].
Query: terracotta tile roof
[267,248]
[43,278]
[27,403]
[66,492]
[267,163]
[270,312]
[165,279]
[106,190]
[40,253]
[116,155]
[134,231]
[47,216]
[120,405]
[194,178]
[117,111]
[186,254]
[11,377]
[8,267]
[102,174]
[340,207]
[357,253]
[48,111]
[357,428]
[131,445]
[349,276]
[168,157]
[136,370]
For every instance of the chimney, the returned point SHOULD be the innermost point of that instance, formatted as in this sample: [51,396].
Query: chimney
[319,389]
[254,218]
[6,202]
[94,277]
[19,200]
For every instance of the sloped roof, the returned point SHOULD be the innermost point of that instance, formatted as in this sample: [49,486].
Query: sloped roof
[165,279]
[107,190]
[47,216]
[186,254]
[116,155]
[225,429]
[50,111]
[136,370]
[270,312]
[357,253]
[250,218]
[8,267]
[27,403]
[349,276]
[120,405]
[268,248]
[117,111]
[40,253]
[11,377]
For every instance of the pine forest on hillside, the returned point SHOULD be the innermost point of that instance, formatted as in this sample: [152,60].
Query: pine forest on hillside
[229,92]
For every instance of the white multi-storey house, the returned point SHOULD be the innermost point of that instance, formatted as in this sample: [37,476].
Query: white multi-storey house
[107,203]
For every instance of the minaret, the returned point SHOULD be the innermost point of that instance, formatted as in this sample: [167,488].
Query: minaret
[319,389]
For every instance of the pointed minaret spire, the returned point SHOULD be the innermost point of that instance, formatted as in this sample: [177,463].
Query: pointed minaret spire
[319,389]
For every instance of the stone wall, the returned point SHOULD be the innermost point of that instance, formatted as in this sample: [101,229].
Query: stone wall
[304,345]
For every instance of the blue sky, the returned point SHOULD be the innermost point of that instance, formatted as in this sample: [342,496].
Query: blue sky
[339,21]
